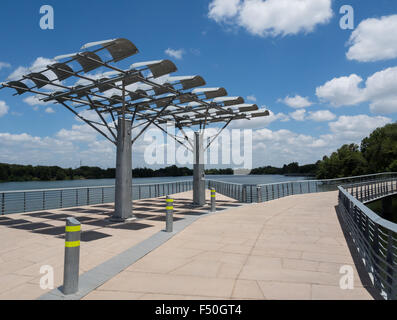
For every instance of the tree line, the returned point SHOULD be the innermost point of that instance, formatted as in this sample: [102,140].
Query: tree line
[15,172]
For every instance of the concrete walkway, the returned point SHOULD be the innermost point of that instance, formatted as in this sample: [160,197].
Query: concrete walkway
[290,248]
[32,240]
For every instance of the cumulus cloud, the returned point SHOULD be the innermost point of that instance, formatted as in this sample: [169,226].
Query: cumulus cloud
[296,101]
[260,122]
[342,91]
[38,65]
[356,127]
[3,108]
[251,98]
[35,101]
[4,65]
[284,146]
[298,115]
[272,17]
[379,89]
[374,40]
[49,110]
[177,54]
[81,133]
[321,115]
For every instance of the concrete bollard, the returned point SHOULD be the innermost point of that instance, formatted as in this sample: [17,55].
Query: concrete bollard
[213,200]
[72,256]
[169,220]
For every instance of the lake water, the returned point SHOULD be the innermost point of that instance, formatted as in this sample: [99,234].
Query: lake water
[244,179]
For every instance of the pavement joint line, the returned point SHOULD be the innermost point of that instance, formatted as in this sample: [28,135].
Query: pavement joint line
[94,278]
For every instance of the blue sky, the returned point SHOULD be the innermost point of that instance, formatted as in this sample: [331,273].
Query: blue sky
[296,62]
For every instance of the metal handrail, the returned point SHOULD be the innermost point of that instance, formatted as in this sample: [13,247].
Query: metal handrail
[271,191]
[19,201]
[374,236]
[91,187]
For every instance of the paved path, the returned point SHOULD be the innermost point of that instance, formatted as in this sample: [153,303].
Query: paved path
[290,248]
[31,240]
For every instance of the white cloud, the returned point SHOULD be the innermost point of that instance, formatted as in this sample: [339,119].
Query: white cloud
[284,146]
[49,110]
[342,91]
[298,115]
[374,40]
[380,89]
[220,10]
[3,108]
[35,101]
[321,115]
[4,65]
[260,122]
[177,54]
[272,17]
[251,98]
[38,65]
[296,102]
[80,133]
[357,127]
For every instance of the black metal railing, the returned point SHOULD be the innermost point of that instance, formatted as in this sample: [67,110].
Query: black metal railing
[44,199]
[249,193]
[375,238]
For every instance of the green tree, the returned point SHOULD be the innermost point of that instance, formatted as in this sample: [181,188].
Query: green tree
[380,148]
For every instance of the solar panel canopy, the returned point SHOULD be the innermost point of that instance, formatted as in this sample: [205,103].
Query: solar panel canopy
[145,92]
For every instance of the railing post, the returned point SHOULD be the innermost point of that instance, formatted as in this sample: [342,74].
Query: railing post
[244,193]
[390,262]
[88,196]
[24,202]
[259,194]
[43,200]
[169,214]
[375,246]
[103,195]
[213,200]
[61,200]
[3,204]
[72,256]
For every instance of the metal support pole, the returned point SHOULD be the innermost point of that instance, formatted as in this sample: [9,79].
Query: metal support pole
[213,200]
[123,190]
[169,220]
[198,171]
[72,256]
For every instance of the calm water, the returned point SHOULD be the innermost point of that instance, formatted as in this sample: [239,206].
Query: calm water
[246,179]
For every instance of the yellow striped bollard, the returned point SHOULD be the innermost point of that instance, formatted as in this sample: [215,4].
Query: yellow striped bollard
[169,214]
[72,256]
[213,200]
